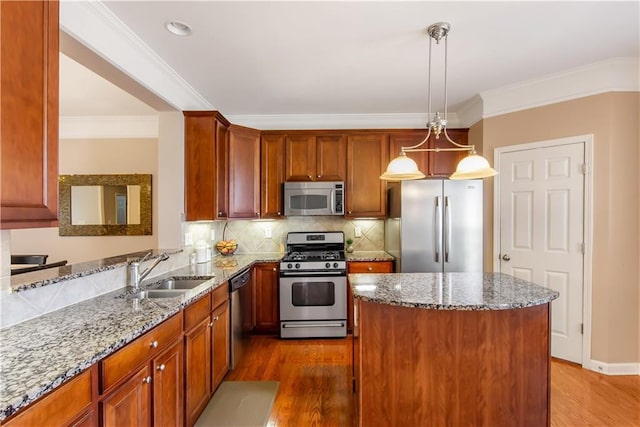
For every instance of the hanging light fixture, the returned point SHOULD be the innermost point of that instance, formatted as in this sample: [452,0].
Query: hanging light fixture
[473,166]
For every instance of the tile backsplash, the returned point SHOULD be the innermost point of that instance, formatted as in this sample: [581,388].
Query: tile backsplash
[251,236]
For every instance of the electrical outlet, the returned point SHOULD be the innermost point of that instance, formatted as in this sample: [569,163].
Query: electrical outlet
[213,235]
[267,233]
[358,232]
[188,239]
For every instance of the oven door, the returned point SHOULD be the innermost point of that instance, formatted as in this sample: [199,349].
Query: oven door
[313,306]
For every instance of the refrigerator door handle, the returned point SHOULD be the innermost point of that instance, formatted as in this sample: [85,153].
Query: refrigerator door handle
[447,228]
[438,233]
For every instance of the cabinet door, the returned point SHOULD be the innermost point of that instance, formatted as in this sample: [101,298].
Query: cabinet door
[300,161]
[444,163]
[331,151]
[363,267]
[29,55]
[199,169]
[271,175]
[266,297]
[168,386]
[197,355]
[398,140]
[244,172]
[130,403]
[367,158]
[221,343]
[222,170]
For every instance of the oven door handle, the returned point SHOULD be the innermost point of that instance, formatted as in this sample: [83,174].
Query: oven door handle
[312,273]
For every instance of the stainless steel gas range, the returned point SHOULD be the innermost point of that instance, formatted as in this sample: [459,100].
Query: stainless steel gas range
[313,286]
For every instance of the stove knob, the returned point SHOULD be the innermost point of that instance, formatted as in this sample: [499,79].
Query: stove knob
[289,266]
[335,265]
[297,265]
[328,265]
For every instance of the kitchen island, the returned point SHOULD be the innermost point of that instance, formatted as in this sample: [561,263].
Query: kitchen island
[451,349]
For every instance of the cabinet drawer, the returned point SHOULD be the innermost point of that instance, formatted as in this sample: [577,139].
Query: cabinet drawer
[120,364]
[220,295]
[370,266]
[60,407]
[197,311]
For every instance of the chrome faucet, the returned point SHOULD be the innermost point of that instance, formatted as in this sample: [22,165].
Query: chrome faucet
[135,276]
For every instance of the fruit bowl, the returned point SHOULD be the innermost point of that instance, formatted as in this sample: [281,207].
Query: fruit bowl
[226,247]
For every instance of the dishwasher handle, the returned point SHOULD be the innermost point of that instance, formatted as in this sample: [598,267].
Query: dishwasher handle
[239,280]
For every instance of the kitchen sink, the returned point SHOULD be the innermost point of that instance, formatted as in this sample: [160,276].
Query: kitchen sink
[160,293]
[180,283]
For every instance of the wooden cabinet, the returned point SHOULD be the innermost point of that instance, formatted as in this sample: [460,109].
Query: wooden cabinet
[244,172]
[363,267]
[271,175]
[29,55]
[168,381]
[129,404]
[265,276]
[432,164]
[315,157]
[144,379]
[220,318]
[206,165]
[72,401]
[206,344]
[367,159]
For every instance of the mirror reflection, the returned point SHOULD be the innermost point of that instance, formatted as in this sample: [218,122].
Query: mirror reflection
[105,204]
[97,205]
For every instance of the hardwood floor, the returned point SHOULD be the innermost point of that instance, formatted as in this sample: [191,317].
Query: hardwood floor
[315,386]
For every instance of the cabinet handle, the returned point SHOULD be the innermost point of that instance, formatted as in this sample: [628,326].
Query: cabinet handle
[147,380]
[160,368]
[309,176]
[369,268]
[275,269]
[215,319]
[349,212]
[154,344]
[319,176]
[210,324]
[279,214]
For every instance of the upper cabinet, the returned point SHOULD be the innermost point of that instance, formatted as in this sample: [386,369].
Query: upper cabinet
[314,156]
[206,164]
[367,159]
[433,164]
[29,121]
[244,172]
[271,175]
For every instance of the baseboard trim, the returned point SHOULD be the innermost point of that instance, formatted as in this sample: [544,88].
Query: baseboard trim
[614,368]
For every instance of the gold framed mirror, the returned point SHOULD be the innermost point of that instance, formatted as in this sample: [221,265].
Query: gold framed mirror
[104,205]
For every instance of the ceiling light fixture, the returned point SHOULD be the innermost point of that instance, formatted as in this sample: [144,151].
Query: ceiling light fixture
[178,28]
[473,166]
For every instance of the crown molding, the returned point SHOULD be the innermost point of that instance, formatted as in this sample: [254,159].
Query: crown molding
[109,127]
[94,25]
[614,75]
[337,121]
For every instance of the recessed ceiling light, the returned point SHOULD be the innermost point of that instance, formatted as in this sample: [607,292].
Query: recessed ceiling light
[178,28]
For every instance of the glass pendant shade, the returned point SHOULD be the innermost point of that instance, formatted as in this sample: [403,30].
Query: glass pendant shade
[402,168]
[473,166]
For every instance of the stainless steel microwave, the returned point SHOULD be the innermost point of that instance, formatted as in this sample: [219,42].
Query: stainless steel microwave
[313,198]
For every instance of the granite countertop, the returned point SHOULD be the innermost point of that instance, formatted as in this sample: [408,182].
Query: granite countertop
[450,291]
[369,256]
[40,354]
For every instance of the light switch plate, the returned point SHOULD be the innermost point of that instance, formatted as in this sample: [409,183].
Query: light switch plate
[188,239]
[213,235]
[267,233]
[358,231]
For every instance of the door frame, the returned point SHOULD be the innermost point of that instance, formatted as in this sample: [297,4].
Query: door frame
[587,141]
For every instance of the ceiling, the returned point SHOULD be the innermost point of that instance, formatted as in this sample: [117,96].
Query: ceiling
[303,57]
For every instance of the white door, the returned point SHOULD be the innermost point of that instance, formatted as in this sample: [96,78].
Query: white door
[541,202]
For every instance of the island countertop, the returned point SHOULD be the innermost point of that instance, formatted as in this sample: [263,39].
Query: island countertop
[450,291]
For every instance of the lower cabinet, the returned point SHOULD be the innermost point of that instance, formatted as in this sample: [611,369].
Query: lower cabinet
[265,276]
[363,267]
[130,403]
[168,381]
[206,344]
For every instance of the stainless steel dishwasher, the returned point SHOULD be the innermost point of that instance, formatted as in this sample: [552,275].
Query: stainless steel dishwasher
[240,289]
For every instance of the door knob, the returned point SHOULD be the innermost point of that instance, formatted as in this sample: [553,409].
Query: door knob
[506,257]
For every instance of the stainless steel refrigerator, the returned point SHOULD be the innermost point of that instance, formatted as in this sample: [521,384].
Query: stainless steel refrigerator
[435,226]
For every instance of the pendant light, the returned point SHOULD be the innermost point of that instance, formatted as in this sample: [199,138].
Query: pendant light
[471,167]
